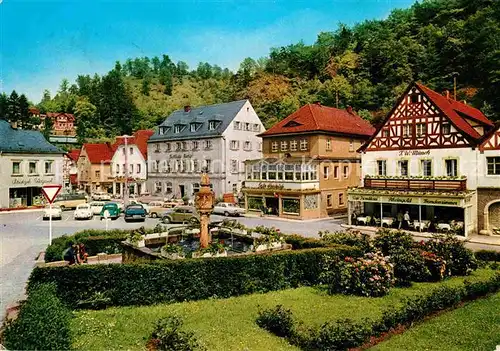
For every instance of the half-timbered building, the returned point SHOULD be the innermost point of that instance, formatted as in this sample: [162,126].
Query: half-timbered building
[423,160]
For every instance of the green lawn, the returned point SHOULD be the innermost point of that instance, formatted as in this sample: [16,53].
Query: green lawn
[229,324]
[476,326]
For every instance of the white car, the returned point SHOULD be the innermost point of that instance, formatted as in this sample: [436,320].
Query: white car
[96,207]
[55,212]
[228,209]
[83,212]
[102,196]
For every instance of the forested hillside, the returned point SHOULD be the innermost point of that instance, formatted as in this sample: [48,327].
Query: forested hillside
[366,66]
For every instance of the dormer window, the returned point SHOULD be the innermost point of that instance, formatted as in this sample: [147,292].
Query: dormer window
[162,130]
[178,128]
[445,128]
[414,98]
[237,125]
[385,133]
[193,127]
[212,125]
[406,130]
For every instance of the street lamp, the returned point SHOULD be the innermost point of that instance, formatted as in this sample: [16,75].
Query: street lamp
[126,190]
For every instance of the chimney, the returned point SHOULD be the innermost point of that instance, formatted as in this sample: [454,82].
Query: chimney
[447,92]
[13,124]
[187,108]
[464,102]
[317,102]
[349,110]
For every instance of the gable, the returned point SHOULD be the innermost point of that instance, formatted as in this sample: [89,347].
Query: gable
[492,142]
[416,122]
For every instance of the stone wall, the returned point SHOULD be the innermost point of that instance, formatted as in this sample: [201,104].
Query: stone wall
[485,196]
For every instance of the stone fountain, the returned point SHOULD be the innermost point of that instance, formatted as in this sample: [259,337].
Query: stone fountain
[204,202]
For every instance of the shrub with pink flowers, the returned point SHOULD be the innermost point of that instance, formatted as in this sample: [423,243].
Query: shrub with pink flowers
[371,275]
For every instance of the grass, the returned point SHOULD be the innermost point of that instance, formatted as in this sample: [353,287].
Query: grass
[476,326]
[229,324]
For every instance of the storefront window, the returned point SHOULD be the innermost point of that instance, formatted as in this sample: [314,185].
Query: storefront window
[254,203]
[291,206]
[32,167]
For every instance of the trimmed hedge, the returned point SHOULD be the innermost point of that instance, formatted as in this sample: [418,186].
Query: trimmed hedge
[345,334]
[95,241]
[42,324]
[189,279]
[488,255]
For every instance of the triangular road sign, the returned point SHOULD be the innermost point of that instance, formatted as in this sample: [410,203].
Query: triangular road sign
[51,191]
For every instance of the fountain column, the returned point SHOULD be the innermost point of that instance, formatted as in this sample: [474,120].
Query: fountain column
[204,202]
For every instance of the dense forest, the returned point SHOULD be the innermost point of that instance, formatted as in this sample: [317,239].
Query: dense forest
[366,66]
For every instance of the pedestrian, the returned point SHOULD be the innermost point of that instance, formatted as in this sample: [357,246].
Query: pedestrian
[69,254]
[82,253]
[406,220]
[400,219]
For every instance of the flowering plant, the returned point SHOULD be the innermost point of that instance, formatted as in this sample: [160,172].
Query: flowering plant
[371,275]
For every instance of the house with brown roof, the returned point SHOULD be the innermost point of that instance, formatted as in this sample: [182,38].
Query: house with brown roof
[422,164]
[63,123]
[310,159]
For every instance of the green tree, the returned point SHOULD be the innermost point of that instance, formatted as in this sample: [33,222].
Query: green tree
[24,113]
[4,102]
[13,109]
[48,125]
[146,85]
[86,120]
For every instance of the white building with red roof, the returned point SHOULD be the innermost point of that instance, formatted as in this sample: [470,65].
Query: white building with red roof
[422,163]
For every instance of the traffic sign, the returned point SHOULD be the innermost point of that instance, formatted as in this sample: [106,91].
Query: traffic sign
[51,191]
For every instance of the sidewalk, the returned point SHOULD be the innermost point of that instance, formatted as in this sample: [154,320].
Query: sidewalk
[493,240]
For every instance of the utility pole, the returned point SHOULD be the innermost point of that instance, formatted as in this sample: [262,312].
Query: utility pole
[126,190]
[455,74]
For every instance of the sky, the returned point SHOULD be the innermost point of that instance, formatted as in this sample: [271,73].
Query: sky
[42,42]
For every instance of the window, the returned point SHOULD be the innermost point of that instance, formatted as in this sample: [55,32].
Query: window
[381,167]
[208,165]
[196,187]
[131,169]
[256,128]
[326,172]
[451,168]
[184,145]
[235,144]
[208,144]
[131,150]
[177,128]
[284,146]
[445,128]
[329,200]
[303,145]
[493,165]
[98,174]
[124,167]
[193,127]
[346,171]
[351,145]
[293,145]
[259,146]
[162,130]
[414,98]
[234,166]
[406,130]
[426,168]
[167,147]
[157,148]
[385,133]
[421,130]
[336,172]
[196,166]
[157,187]
[274,146]
[195,145]
[403,168]
[178,146]
[248,126]
[235,188]
[138,168]
[248,146]
[32,167]
[237,125]
[117,169]
[16,167]
[123,151]
[328,144]
[49,167]
[212,125]
[341,199]
[291,206]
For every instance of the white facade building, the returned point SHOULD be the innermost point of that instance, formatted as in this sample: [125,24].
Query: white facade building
[216,138]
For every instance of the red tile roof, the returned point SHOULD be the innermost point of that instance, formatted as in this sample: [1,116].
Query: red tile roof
[98,153]
[74,154]
[456,111]
[53,115]
[140,138]
[318,118]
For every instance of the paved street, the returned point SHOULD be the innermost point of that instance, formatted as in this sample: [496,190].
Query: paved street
[24,234]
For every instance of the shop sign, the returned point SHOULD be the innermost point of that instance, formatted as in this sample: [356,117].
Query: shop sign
[402,200]
[365,198]
[32,181]
[415,153]
[440,201]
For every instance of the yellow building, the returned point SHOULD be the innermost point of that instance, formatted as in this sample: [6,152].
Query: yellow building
[94,168]
[310,160]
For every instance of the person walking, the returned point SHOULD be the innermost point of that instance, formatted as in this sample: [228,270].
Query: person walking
[406,220]
[400,219]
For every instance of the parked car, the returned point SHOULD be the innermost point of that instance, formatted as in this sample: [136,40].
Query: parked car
[96,207]
[156,209]
[55,212]
[83,212]
[70,201]
[113,210]
[102,196]
[228,209]
[180,214]
[173,203]
[135,213]
[135,202]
